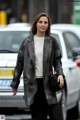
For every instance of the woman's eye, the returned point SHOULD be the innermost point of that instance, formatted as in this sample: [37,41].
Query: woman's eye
[45,22]
[40,21]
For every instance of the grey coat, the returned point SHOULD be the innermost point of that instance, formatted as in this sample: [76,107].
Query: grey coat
[26,64]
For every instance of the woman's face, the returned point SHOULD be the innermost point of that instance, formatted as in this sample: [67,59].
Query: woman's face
[42,24]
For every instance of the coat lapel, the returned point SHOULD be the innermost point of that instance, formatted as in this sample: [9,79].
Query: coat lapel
[31,50]
[46,51]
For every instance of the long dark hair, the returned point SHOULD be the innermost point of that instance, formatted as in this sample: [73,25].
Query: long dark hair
[36,19]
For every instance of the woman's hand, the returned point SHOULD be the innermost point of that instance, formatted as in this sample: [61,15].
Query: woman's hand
[61,80]
[14,91]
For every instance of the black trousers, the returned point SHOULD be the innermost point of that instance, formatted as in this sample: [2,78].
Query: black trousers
[40,109]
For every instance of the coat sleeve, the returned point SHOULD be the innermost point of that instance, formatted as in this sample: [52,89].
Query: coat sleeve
[57,57]
[19,67]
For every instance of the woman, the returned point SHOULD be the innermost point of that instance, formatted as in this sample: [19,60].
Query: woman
[34,60]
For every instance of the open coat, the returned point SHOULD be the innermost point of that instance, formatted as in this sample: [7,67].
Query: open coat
[26,64]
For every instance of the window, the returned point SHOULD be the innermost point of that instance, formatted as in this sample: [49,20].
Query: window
[71,42]
[11,40]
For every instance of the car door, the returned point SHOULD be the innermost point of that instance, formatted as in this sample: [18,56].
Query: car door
[69,66]
[71,42]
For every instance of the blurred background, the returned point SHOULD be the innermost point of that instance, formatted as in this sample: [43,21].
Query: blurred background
[60,11]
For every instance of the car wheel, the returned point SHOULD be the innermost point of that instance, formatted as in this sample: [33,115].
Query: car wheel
[64,105]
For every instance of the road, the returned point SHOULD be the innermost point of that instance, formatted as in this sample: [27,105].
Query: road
[14,114]
[17,114]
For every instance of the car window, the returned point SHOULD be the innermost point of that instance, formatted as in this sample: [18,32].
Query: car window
[11,40]
[56,36]
[71,42]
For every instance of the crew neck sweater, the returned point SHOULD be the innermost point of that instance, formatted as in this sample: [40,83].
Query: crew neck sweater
[38,46]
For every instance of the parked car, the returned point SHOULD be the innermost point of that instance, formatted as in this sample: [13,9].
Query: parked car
[71,27]
[70,48]
[19,25]
[10,41]
[66,26]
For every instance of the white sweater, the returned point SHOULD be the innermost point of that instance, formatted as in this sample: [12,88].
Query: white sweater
[38,46]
